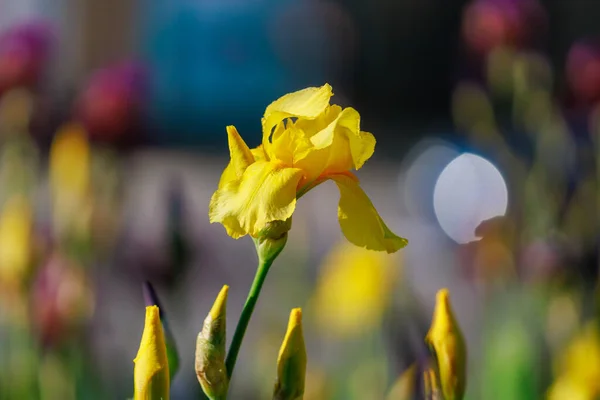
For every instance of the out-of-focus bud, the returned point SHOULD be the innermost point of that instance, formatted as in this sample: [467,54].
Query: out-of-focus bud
[291,364]
[405,387]
[210,350]
[151,299]
[447,341]
[15,241]
[151,371]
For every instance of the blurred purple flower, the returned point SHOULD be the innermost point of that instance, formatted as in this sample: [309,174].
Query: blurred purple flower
[111,100]
[24,51]
[583,71]
[488,24]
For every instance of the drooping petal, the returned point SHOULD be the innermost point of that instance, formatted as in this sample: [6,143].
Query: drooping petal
[360,221]
[307,103]
[240,157]
[266,192]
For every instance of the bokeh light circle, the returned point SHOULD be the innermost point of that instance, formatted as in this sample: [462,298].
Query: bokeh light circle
[469,191]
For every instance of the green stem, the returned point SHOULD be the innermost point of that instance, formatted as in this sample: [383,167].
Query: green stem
[240,330]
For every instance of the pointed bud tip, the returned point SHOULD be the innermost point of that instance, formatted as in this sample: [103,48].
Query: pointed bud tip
[443,297]
[219,307]
[295,317]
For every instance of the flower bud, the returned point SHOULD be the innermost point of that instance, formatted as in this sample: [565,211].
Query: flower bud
[151,299]
[272,239]
[447,341]
[151,371]
[210,350]
[291,364]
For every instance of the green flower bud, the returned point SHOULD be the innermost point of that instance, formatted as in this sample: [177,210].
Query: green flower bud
[447,341]
[272,239]
[151,371]
[291,364]
[210,350]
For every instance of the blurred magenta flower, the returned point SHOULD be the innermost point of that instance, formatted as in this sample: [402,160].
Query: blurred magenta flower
[583,71]
[488,24]
[110,102]
[24,51]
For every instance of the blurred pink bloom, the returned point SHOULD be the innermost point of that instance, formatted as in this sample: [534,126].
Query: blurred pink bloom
[24,51]
[110,102]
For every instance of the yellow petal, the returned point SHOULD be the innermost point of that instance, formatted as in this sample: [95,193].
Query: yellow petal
[266,192]
[241,157]
[151,372]
[360,221]
[307,103]
[350,147]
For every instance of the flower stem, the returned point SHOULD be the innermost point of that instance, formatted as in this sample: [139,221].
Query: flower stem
[240,330]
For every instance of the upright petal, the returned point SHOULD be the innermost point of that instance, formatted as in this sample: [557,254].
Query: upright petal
[151,372]
[307,103]
[360,221]
[266,192]
[349,147]
[241,157]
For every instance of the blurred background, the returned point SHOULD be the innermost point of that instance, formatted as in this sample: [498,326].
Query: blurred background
[112,140]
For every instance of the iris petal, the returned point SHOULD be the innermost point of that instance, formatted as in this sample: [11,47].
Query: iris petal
[265,193]
[241,157]
[360,221]
[307,103]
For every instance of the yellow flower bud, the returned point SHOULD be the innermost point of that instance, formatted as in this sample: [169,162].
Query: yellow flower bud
[151,372]
[210,350]
[291,364]
[447,341]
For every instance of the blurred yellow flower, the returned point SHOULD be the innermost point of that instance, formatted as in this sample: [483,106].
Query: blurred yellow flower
[70,161]
[448,342]
[151,372]
[354,290]
[70,156]
[306,141]
[15,240]
[578,368]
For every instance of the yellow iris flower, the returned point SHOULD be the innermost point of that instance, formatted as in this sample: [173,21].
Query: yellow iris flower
[306,141]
